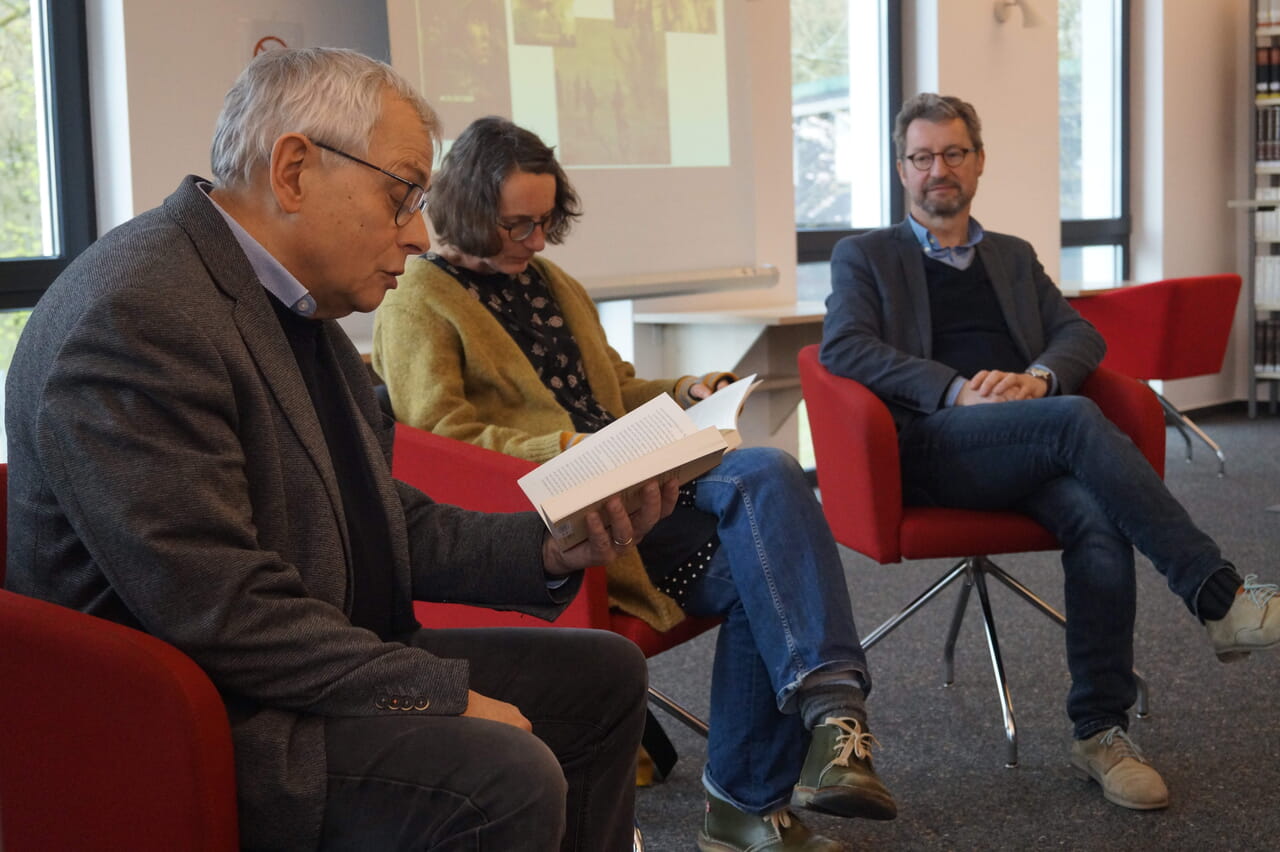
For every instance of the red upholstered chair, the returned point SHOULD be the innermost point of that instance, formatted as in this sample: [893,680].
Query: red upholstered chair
[463,474]
[1171,329]
[109,738]
[856,446]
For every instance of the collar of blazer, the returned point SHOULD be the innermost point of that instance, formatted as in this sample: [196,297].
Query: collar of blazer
[229,270]
[995,262]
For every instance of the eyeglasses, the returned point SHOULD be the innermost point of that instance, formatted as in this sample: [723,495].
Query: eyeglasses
[523,229]
[415,197]
[953,157]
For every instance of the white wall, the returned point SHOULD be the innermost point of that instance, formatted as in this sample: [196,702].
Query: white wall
[160,72]
[1191,148]
[1010,74]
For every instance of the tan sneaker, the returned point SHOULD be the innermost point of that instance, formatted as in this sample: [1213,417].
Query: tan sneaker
[1252,623]
[1113,760]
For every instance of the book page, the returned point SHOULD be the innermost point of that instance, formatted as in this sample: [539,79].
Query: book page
[689,457]
[722,407]
[657,423]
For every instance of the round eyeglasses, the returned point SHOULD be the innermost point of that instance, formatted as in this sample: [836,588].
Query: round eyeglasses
[523,229]
[415,196]
[953,157]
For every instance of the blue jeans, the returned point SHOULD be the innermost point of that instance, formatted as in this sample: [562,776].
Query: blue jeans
[778,582]
[1060,461]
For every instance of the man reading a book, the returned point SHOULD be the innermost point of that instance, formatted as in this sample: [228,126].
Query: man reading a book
[486,342]
[196,451]
[978,357]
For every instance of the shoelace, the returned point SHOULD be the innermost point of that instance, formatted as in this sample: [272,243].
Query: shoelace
[853,741]
[779,820]
[1259,593]
[1118,739]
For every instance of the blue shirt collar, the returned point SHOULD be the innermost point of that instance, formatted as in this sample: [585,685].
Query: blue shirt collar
[958,256]
[277,280]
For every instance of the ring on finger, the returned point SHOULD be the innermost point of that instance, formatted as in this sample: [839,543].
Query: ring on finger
[626,543]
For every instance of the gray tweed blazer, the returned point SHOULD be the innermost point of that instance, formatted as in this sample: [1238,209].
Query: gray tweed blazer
[167,471]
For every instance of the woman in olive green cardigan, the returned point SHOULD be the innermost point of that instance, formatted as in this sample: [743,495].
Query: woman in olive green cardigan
[452,369]
[485,342]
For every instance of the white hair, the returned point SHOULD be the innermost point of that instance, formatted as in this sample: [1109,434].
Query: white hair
[328,94]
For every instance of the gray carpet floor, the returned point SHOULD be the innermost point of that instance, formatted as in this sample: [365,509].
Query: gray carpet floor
[1214,729]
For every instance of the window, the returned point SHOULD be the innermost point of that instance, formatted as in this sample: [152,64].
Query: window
[845,89]
[46,175]
[1093,43]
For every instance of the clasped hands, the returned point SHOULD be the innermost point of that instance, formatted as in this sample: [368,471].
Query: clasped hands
[998,386]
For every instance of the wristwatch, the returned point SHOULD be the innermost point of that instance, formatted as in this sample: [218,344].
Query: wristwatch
[1041,373]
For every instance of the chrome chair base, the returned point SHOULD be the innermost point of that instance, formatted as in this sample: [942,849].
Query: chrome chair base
[973,571]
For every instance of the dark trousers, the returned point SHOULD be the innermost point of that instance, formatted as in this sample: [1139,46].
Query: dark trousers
[420,782]
[1061,461]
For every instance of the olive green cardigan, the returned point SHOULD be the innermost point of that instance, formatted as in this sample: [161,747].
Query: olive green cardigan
[452,369]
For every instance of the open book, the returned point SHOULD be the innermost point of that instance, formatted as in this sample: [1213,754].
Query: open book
[657,440]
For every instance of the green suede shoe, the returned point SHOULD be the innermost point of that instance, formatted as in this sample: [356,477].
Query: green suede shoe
[838,777]
[727,829]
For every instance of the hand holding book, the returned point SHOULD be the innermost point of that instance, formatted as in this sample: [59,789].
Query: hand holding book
[658,440]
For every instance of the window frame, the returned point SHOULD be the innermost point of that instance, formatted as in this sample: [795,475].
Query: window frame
[24,280]
[1116,231]
[814,245]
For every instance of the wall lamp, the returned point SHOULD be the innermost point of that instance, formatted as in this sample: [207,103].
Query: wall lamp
[1004,8]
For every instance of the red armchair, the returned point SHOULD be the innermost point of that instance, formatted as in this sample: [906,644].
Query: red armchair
[465,475]
[856,446]
[1171,329]
[109,738]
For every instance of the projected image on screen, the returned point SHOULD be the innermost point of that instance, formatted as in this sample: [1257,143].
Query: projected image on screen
[465,74]
[543,21]
[676,16]
[611,90]
[589,76]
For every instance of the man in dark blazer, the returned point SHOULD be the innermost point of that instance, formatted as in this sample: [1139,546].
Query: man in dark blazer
[195,450]
[977,355]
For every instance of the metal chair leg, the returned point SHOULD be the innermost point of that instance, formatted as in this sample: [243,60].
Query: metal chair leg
[973,572]
[1183,422]
[884,629]
[949,649]
[997,665]
[1143,704]
[665,702]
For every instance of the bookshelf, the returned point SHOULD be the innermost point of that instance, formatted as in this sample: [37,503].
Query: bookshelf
[1263,280]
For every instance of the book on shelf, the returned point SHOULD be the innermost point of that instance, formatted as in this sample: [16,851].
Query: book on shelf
[659,440]
[1266,345]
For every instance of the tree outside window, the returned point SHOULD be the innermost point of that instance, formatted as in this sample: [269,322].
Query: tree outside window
[22,201]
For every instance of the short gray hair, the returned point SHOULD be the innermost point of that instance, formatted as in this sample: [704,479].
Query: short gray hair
[329,94]
[935,108]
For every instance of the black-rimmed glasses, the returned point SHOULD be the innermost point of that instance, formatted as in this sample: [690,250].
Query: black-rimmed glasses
[523,229]
[953,157]
[415,197]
